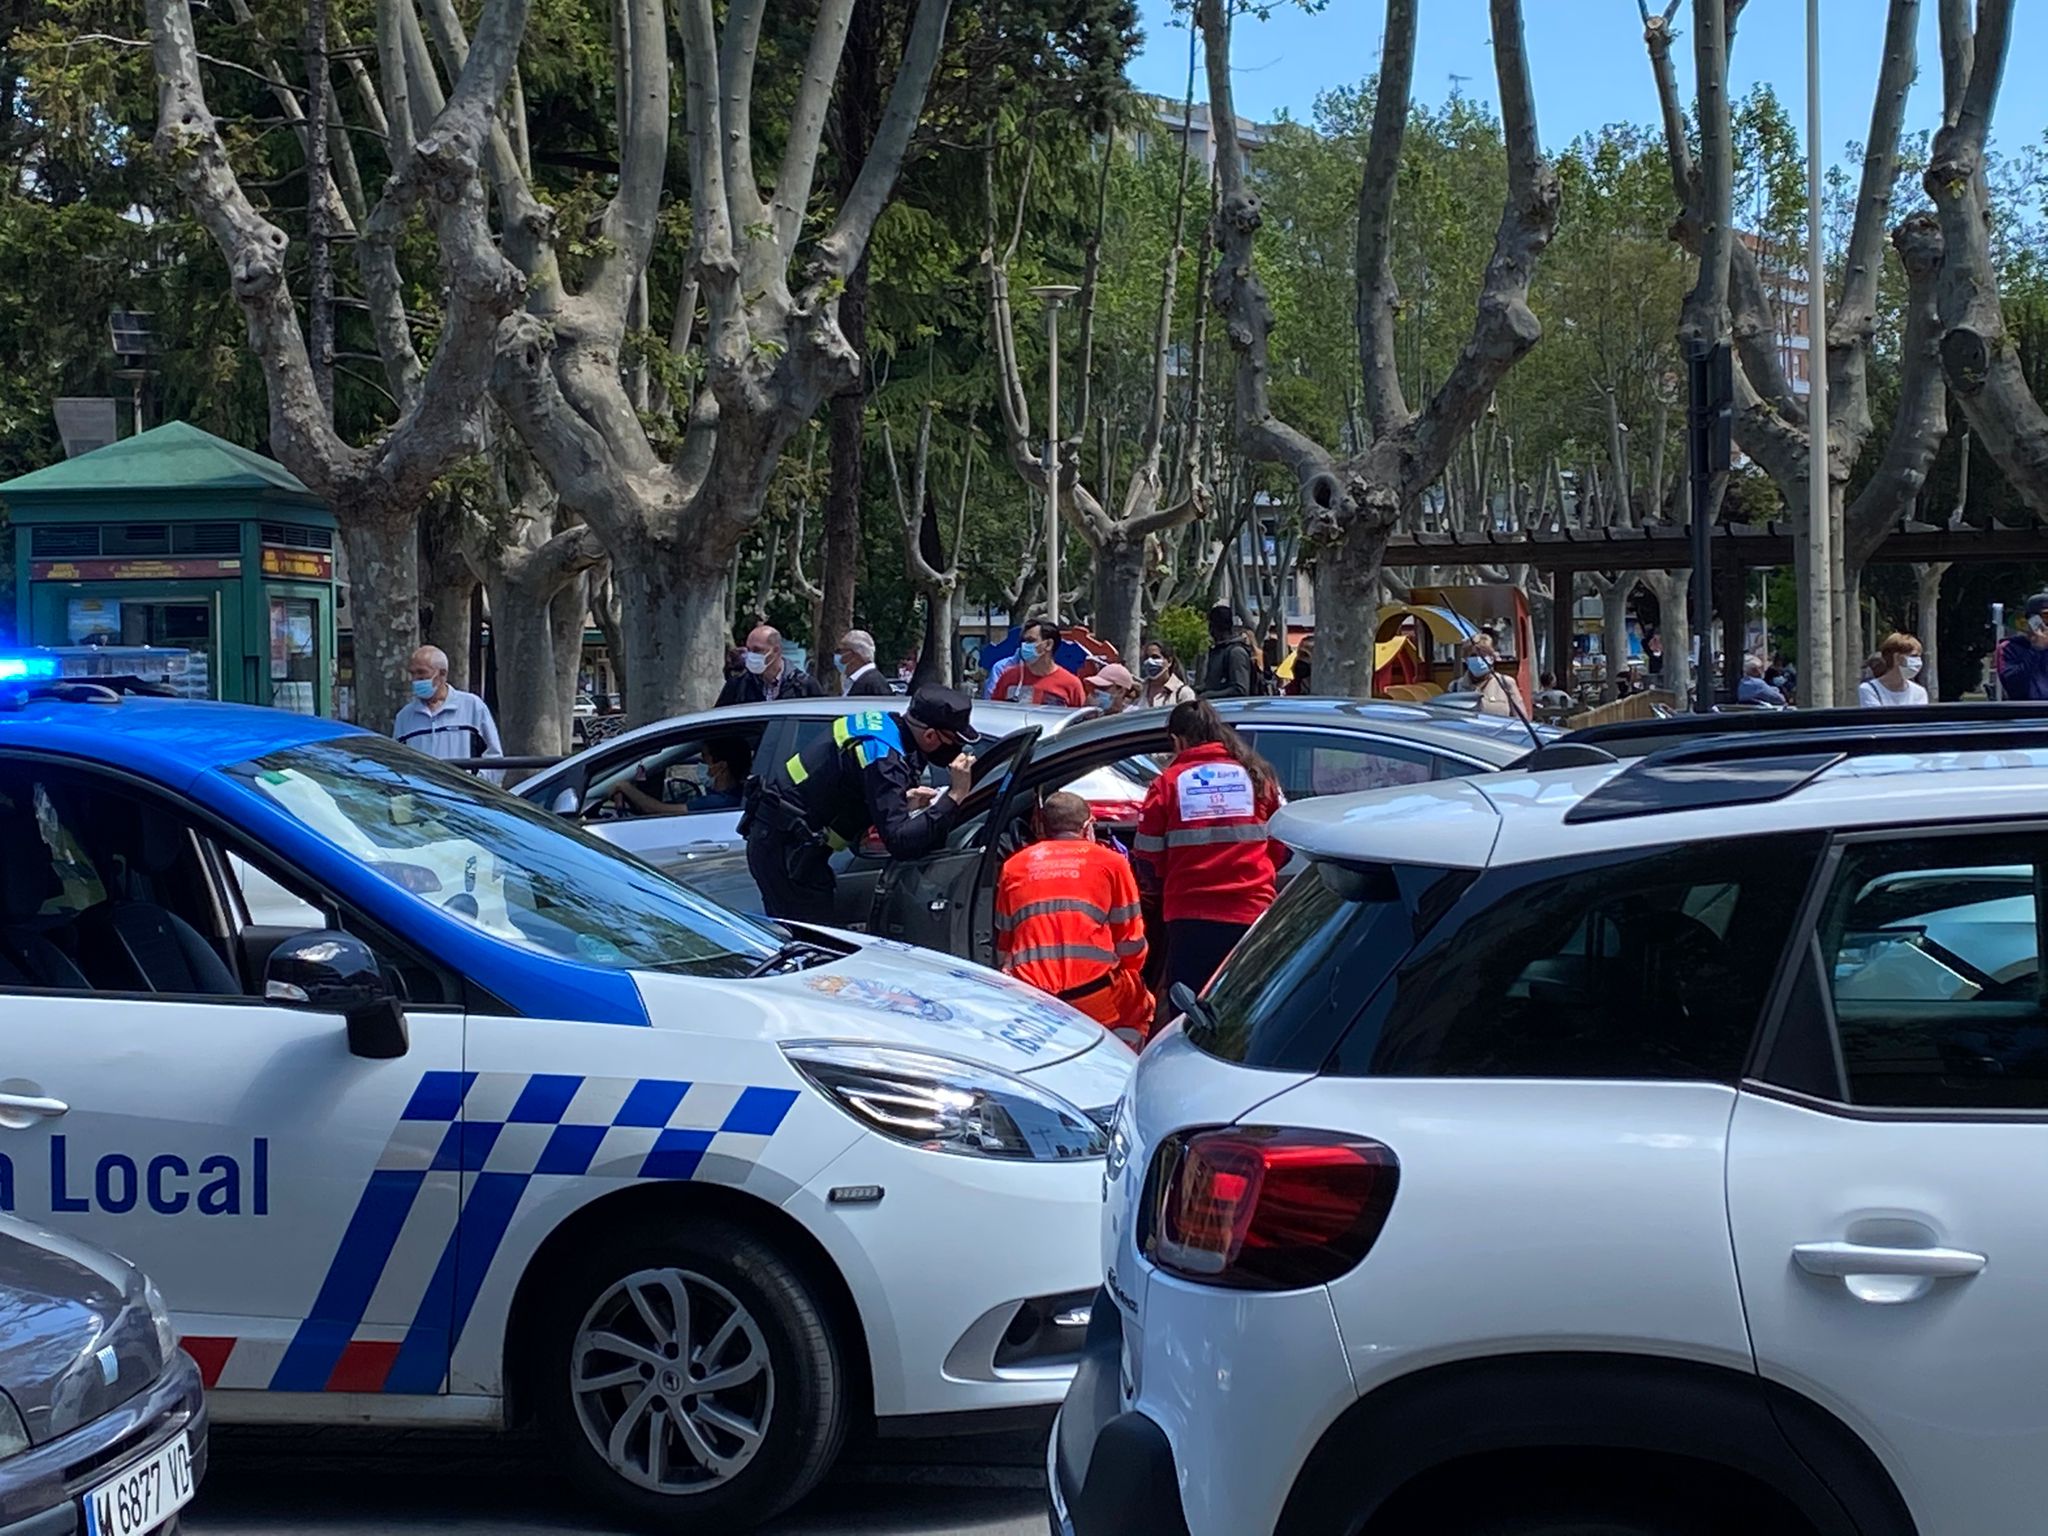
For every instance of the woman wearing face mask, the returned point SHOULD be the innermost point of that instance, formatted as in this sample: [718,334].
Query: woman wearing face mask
[1895,686]
[1497,692]
[1164,684]
[1112,689]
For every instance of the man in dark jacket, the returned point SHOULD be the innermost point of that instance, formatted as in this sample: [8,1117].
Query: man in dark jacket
[857,666]
[768,675]
[866,772]
[1228,671]
[2023,658]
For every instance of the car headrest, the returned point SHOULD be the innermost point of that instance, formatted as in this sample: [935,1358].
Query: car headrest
[142,837]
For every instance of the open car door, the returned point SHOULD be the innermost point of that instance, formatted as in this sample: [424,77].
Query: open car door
[935,901]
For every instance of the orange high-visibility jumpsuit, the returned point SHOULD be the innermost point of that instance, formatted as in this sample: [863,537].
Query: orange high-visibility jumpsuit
[1067,922]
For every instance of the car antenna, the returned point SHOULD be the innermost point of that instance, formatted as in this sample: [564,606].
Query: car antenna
[1508,692]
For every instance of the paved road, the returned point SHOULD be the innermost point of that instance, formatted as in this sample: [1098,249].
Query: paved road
[356,1483]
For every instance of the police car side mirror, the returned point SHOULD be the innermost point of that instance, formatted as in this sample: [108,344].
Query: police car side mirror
[330,972]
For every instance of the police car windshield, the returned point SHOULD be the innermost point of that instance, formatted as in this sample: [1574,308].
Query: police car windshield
[499,863]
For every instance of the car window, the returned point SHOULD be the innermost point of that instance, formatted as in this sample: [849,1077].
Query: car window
[678,778]
[77,885]
[1289,990]
[1931,950]
[1645,964]
[1311,763]
[500,864]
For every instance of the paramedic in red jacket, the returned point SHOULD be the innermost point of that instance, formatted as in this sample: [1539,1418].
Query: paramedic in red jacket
[1067,921]
[1202,832]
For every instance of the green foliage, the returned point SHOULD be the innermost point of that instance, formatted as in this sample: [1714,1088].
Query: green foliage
[1608,292]
[1185,632]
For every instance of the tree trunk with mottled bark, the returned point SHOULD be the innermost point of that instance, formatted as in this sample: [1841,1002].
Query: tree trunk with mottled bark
[1771,421]
[1352,504]
[383,605]
[1673,589]
[775,349]
[859,93]
[376,492]
[1979,357]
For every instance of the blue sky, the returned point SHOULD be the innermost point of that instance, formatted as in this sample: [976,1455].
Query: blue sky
[1588,61]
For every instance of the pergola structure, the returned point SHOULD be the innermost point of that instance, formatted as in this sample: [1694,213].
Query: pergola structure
[1739,548]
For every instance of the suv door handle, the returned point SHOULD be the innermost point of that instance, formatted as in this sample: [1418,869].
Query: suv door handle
[1859,1259]
[1885,1275]
[30,1104]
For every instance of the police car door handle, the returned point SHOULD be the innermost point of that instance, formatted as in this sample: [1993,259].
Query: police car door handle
[33,1104]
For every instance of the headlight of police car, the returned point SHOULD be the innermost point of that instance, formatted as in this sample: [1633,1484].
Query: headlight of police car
[166,1330]
[13,1433]
[944,1105]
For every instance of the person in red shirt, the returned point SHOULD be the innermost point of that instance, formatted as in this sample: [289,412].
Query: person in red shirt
[1067,921]
[1036,677]
[1202,833]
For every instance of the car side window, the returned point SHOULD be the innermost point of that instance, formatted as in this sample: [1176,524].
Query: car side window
[1646,964]
[281,905]
[106,890]
[684,776]
[1931,952]
[1311,763]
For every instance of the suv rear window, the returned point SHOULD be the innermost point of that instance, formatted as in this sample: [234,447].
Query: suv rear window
[1645,964]
[1290,989]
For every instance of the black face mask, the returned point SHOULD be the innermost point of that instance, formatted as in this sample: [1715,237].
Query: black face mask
[941,753]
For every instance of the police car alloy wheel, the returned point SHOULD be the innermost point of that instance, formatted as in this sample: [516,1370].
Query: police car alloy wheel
[672,1380]
[692,1377]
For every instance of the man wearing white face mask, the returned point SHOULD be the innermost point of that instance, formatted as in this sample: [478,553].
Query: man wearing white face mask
[769,675]
[1895,687]
[441,721]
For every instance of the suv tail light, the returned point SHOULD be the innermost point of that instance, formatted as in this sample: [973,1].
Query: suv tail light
[1265,1209]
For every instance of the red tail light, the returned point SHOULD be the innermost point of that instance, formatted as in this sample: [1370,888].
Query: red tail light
[1265,1209]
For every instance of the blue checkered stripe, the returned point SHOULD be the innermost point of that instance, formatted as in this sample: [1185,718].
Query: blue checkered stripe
[499,1131]
[558,1123]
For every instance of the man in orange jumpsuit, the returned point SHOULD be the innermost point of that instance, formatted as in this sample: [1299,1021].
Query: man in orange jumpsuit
[1067,921]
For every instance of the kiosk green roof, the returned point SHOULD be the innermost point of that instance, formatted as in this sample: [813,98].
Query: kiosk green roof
[174,458]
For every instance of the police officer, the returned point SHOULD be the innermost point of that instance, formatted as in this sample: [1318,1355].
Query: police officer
[867,773]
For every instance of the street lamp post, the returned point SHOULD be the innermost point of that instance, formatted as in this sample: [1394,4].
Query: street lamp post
[1822,557]
[1053,295]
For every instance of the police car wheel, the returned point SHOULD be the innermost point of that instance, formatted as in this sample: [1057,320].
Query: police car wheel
[693,1378]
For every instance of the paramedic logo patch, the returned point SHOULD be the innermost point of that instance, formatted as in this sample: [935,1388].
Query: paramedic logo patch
[498,1132]
[1215,792]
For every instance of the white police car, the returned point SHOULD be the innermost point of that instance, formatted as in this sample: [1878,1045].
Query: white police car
[520,1128]
[1648,1150]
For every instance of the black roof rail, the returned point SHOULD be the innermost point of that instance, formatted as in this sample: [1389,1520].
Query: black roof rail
[1638,738]
[1736,768]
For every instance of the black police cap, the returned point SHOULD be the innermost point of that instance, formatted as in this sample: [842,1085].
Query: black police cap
[944,709]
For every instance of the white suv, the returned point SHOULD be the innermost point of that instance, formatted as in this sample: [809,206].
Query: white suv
[1644,1150]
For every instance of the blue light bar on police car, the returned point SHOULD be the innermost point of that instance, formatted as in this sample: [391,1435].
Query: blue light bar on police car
[16,668]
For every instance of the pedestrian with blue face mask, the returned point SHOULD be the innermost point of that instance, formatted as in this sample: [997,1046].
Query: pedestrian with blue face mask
[441,721]
[1497,692]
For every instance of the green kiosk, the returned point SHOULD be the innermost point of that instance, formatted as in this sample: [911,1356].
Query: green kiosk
[178,540]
